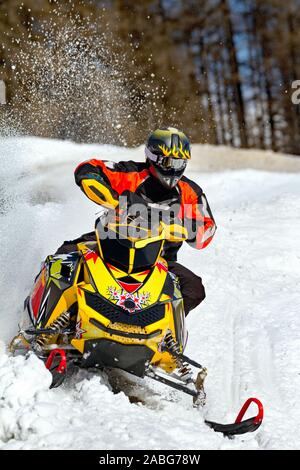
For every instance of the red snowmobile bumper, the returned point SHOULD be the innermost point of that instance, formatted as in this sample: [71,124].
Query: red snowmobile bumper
[239,426]
[56,366]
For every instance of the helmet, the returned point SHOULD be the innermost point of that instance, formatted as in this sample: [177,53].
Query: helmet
[167,151]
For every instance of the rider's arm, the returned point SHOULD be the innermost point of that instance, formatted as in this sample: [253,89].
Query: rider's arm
[196,214]
[103,182]
[93,179]
[203,224]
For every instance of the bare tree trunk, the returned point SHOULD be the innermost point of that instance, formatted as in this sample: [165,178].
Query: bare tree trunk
[205,91]
[220,103]
[235,75]
[257,98]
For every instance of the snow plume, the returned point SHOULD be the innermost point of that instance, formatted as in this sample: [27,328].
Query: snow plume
[40,207]
[71,80]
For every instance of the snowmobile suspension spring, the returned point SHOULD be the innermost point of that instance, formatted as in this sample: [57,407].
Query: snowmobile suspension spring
[172,346]
[57,326]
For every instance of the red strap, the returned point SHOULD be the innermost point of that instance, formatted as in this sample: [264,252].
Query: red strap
[63,361]
[258,418]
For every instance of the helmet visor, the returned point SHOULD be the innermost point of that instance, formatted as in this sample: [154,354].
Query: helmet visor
[167,163]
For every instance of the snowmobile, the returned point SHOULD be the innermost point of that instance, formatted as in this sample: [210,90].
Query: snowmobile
[114,304]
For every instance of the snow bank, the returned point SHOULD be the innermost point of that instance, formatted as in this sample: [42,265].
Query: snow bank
[85,414]
[44,153]
[246,332]
[220,158]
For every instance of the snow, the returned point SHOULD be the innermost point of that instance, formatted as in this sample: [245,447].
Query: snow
[246,332]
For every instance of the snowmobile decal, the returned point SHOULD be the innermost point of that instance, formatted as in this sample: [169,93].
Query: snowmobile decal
[37,294]
[130,287]
[43,306]
[79,330]
[128,301]
[162,266]
[90,254]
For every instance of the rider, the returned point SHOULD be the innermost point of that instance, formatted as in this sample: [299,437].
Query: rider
[159,179]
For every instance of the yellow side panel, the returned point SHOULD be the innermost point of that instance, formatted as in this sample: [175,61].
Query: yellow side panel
[164,360]
[67,299]
[88,287]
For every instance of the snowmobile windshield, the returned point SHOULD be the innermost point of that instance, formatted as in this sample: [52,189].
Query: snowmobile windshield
[132,253]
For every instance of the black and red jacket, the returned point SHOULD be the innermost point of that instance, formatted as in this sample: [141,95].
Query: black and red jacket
[103,182]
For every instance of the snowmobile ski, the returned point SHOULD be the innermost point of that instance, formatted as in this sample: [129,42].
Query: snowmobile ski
[58,369]
[239,426]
